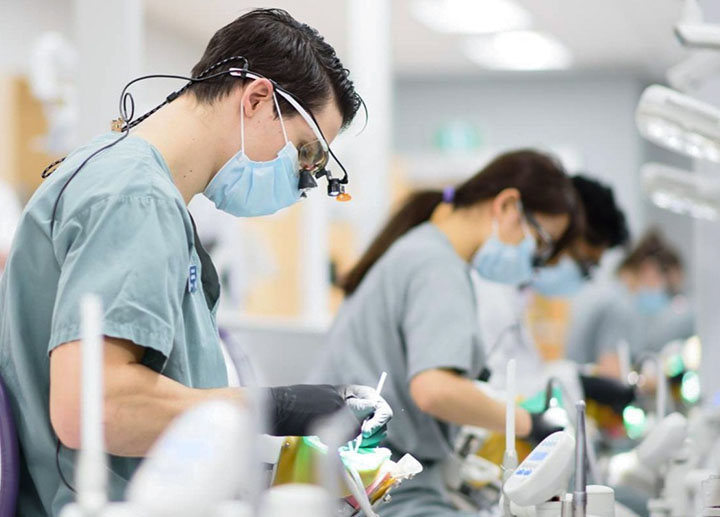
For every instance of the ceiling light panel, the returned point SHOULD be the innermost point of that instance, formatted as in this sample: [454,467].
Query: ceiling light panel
[471,16]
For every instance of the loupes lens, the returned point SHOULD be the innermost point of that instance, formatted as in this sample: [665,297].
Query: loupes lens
[312,156]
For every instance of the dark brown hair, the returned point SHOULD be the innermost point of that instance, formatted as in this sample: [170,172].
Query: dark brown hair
[653,247]
[605,223]
[292,54]
[544,188]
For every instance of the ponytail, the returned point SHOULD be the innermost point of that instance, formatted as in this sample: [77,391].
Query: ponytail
[415,211]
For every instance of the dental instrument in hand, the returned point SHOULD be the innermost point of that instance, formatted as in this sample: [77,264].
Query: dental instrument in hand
[378,390]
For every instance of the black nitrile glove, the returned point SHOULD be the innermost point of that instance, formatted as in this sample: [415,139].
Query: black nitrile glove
[607,391]
[293,409]
[546,423]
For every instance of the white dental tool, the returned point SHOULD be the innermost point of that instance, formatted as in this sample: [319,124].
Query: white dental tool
[92,463]
[510,410]
[381,383]
[579,500]
[661,396]
[625,358]
[510,459]
[378,390]
[92,470]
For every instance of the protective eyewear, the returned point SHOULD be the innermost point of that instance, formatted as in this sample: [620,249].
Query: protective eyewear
[546,244]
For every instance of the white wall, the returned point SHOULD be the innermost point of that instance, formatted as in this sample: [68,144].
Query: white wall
[166,51]
[22,21]
[590,114]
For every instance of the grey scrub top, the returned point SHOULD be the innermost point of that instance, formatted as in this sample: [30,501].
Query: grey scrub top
[676,321]
[414,311]
[122,231]
[601,318]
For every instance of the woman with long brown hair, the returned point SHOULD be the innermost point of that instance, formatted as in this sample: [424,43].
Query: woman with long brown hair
[411,309]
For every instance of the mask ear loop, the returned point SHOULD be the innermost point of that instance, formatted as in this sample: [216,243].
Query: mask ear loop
[242,126]
[523,220]
[494,228]
[526,232]
[282,124]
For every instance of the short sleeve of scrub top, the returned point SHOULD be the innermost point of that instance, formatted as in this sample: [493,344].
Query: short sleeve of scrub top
[439,324]
[129,251]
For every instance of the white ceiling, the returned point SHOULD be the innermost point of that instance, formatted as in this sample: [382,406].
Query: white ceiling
[603,35]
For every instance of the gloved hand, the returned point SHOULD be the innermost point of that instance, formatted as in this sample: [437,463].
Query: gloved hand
[370,409]
[607,391]
[293,409]
[546,423]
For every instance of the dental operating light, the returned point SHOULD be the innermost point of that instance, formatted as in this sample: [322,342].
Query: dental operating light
[692,30]
[694,194]
[679,122]
[690,74]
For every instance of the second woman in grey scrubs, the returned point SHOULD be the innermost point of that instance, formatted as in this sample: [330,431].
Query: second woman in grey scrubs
[411,308]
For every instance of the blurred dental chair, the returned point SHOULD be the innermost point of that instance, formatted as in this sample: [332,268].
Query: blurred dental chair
[9,457]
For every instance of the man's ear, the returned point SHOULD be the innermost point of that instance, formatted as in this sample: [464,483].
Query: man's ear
[254,94]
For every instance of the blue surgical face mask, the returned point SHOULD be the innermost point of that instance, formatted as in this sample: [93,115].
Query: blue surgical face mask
[247,188]
[651,301]
[506,263]
[561,280]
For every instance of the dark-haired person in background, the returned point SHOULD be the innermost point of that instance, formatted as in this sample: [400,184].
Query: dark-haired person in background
[605,229]
[633,309]
[411,309]
[122,231]
[503,313]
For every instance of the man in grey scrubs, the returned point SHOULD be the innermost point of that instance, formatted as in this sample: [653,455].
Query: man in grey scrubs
[113,220]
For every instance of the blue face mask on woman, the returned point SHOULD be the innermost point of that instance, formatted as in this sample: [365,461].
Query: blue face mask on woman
[506,263]
[561,280]
[651,301]
[247,188]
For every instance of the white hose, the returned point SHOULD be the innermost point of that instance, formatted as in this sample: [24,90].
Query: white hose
[357,489]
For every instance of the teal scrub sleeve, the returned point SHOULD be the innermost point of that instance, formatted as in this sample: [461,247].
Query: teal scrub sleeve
[133,253]
[439,325]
